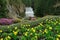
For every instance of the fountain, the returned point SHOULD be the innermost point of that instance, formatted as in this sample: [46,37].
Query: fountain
[29,12]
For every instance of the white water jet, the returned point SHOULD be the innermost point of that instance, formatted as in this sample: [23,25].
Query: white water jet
[29,12]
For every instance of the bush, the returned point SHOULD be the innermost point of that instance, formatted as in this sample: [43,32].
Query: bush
[46,29]
[6,21]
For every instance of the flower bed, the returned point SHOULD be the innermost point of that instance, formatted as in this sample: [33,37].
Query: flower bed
[43,29]
[6,21]
[9,21]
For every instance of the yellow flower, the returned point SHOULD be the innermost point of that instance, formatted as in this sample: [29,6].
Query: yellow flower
[35,36]
[57,39]
[15,32]
[58,35]
[50,28]
[38,25]
[30,33]
[9,37]
[46,19]
[56,21]
[41,24]
[0,30]
[26,25]
[26,33]
[33,29]
[1,39]
[27,29]
[6,38]
[15,28]
[45,30]
[29,25]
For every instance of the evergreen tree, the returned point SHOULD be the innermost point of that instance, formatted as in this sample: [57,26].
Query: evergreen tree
[3,9]
[44,7]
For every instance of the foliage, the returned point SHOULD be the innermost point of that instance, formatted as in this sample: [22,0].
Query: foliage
[57,11]
[48,29]
[43,7]
[3,9]
[28,3]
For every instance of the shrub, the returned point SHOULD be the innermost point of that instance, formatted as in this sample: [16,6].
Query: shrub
[5,21]
[47,29]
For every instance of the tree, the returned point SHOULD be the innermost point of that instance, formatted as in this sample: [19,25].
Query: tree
[16,8]
[44,7]
[28,3]
[3,9]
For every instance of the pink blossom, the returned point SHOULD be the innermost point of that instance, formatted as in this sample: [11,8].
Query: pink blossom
[5,21]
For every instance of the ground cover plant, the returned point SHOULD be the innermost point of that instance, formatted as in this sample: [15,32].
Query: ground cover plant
[15,26]
[46,29]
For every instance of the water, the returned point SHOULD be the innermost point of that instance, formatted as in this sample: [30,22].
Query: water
[29,12]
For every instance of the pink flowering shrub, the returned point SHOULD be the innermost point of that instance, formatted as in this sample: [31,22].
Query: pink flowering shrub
[6,21]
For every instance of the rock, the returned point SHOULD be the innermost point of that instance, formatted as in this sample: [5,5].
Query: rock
[32,18]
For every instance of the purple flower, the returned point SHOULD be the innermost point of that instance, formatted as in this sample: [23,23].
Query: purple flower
[5,21]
